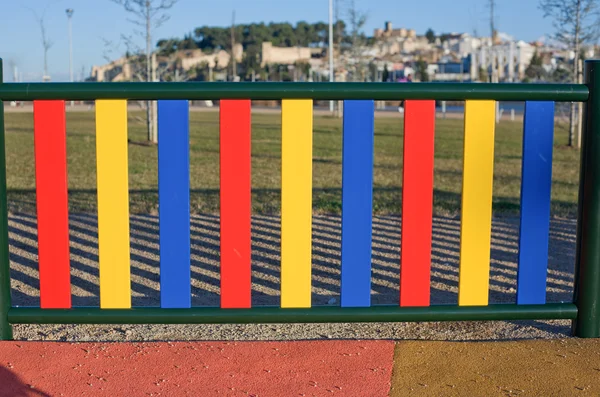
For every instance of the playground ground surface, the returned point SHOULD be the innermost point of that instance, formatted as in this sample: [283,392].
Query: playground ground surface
[510,358]
[568,367]
[526,358]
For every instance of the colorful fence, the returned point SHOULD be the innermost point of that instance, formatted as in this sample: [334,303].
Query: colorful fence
[296,206]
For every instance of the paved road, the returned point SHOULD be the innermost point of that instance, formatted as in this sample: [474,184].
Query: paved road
[389,112]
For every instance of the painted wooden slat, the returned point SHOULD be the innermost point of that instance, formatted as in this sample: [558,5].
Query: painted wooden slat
[52,203]
[417,203]
[235,122]
[357,202]
[535,202]
[113,204]
[476,224]
[296,202]
[174,203]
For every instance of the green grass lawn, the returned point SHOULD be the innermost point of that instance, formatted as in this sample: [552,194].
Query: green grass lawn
[266,165]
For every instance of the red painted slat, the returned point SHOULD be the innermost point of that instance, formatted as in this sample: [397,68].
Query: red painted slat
[417,203]
[235,204]
[52,205]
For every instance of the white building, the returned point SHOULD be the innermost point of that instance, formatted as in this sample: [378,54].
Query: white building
[510,59]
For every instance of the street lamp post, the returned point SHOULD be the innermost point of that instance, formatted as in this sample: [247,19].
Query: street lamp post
[69,16]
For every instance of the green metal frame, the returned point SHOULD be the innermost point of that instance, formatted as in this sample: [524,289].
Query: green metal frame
[5,303]
[319,314]
[587,262]
[584,311]
[275,91]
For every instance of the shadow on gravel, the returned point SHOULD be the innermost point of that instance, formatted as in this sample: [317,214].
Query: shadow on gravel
[145,275]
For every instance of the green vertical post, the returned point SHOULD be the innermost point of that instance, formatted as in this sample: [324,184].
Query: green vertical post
[5,327]
[587,262]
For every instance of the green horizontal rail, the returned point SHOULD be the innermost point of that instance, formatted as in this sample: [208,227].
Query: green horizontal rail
[210,315]
[275,91]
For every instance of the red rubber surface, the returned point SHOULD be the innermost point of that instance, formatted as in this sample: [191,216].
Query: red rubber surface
[323,368]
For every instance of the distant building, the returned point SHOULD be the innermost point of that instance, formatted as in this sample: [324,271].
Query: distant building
[509,58]
[220,59]
[393,46]
[390,32]
[464,44]
[123,70]
[284,55]
[390,42]
[450,57]
[118,70]
[450,70]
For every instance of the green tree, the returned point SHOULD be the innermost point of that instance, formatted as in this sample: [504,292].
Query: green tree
[279,72]
[250,61]
[421,70]
[167,47]
[386,74]
[188,43]
[321,31]
[200,72]
[255,34]
[430,35]
[283,35]
[534,70]
[483,74]
[339,32]
[305,34]
[445,36]
[373,71]
[302,70]
[214,38]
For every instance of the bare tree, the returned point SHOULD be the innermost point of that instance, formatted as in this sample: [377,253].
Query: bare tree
[109,48]
[233,60]
[46,42]
[576,23]
[351,44]
[493,32]
[357,20]
[148,15]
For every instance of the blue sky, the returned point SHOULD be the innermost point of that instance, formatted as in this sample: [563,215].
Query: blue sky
[95,20]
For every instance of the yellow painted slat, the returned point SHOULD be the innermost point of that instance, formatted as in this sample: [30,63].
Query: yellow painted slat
[113,204]
[296,202]
[476,225]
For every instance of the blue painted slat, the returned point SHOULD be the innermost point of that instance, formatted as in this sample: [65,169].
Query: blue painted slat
[174,203]
[357,202]
[535,202]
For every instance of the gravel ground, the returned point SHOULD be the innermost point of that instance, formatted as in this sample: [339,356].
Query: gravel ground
[265,262]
